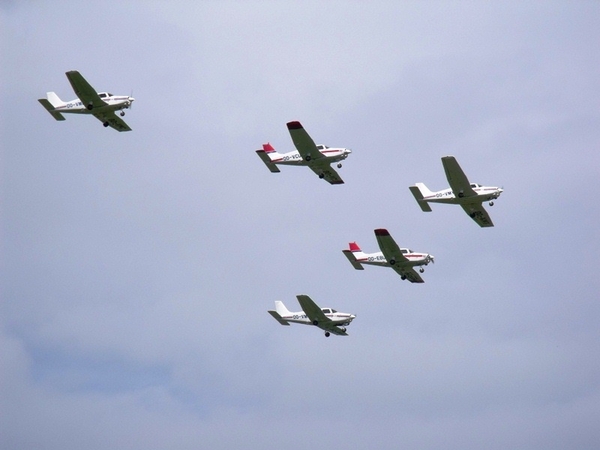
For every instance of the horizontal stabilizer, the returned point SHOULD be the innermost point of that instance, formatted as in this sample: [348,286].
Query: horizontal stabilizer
[46,104]
[267,160]
[416,191]
[357,265]
[278,318]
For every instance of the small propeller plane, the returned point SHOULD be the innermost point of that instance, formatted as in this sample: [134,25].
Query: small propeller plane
[468,195]
[326,319]
[101,105]
[317,157]
[402,260]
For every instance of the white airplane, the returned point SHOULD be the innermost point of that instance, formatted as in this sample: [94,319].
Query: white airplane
[317,157]
[402,260]
[101,105]
[326,319]
[468,195]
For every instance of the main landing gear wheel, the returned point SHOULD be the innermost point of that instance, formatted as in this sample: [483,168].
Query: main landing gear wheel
[90,107]
[339,165]
[105,124]
[307,158]
[321,175]
[315,322]
[327,334]
[403,277]
[392,262]
[122,113]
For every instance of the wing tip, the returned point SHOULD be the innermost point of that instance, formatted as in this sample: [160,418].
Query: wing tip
[294,125]
[381,232]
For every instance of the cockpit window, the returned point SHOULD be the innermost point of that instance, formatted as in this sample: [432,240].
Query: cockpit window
[326,310]
[333,311]
[474,185]
[404,250]
[110,95]
[322,147]
[102,94]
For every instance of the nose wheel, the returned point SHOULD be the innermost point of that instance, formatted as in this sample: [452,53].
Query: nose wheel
[491,203]
[339,166]
[421,270]
[122,113]
[327,334]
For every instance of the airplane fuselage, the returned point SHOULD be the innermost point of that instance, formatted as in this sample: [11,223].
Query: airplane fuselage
[294,158]
[337,318]
[114,103]
[484,194]
[414,259]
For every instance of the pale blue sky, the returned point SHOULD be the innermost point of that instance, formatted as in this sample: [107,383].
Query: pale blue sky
[137,268]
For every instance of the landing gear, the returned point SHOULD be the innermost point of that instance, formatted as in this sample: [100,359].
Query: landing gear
[339,165]
[321,175]
[327,334]
[90,107]
[315,322]
[403,277]
[392,262]
[307,158]
[421,270]
[491,203]
[122,113]
[105,124]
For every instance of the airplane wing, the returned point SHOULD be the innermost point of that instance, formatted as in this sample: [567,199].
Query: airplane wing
[477,212]
[113,120]
[329,174]
[459,183]
[314,313]
[303,142]
[394,256]
[86,93]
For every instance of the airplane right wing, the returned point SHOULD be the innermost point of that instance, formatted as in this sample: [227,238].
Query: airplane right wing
[303,142]
[326,172]
[477,212]
[113,120]
[456,178]
[314,313]
[86,93]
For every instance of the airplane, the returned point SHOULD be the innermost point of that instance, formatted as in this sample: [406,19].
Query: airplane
[402,260]
[470,196]
[326,319]
[317,157]
[102,105]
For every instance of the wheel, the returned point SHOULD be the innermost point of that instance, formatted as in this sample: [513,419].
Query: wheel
[327,334]
[122,113]
[90,107]
[315,322]
[307,158]
[403,277]
[339,165]
[421,270]
[392,262]
[105,124]
[321,175]
[491,203]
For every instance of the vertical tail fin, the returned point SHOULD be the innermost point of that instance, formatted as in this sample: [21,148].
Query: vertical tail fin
[420,191]
[352,255]
[54,99]
[281,309]
[265,155]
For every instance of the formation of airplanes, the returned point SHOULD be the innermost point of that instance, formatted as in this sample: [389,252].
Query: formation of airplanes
[318,158]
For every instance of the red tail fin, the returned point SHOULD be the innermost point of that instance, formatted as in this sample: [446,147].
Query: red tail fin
[268,147]
[354,247]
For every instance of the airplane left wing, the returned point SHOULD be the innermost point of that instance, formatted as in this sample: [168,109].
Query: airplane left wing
[459,183]
[394,256]
[86,93]
[326,172]
[318,317]
[477,212]
[113,121]
[303,142]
